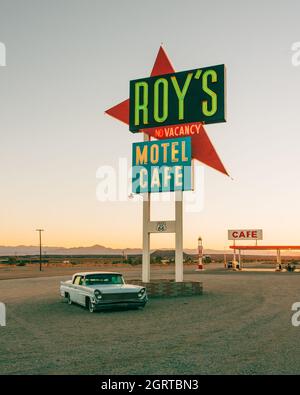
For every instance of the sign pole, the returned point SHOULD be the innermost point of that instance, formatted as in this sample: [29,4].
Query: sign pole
[234,256]
[278,260]
[179,236]
[146,234]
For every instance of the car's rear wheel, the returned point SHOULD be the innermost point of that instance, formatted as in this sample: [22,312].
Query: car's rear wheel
[91,306]
[69,299]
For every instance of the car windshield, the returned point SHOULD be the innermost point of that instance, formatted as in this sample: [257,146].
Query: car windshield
[108,279]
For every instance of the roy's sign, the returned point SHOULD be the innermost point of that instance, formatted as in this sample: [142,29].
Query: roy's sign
[178,98]
[162,166]
[245,234]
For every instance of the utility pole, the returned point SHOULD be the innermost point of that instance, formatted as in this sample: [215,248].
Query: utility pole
[40,238]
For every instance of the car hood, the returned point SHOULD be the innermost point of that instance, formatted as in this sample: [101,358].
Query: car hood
[117,288]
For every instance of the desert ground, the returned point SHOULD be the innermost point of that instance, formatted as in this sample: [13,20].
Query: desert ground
[240,325]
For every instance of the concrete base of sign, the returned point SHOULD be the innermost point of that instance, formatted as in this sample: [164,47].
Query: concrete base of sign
[170,288]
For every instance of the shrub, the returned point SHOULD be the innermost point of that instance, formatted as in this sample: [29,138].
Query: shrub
[12,260]
[21,263]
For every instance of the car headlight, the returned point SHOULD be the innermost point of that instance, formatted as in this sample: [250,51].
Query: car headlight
[141,293]
[97,294]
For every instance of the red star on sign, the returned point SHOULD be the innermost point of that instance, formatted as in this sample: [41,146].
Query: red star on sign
[202,148]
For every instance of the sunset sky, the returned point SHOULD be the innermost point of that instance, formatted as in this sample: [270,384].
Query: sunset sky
[67,62]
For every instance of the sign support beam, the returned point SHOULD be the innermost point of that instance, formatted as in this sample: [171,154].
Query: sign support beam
[178,236]
[146,234]
[172,226]
[278,257]
[146,239]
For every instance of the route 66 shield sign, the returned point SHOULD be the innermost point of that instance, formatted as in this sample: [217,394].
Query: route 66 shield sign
[161,227]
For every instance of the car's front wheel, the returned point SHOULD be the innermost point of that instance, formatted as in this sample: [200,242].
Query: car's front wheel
[91,306]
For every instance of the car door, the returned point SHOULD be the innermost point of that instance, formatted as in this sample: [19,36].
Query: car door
[81,292]
[75,289]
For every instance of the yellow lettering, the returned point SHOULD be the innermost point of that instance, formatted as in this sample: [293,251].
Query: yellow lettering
[141,157]
[154,154]
[174,152]
[183,148]
[165,152]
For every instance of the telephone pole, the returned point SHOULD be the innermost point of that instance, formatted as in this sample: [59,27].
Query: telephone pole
[40,238]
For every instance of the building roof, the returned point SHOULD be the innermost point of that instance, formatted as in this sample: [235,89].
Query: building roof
[268,247]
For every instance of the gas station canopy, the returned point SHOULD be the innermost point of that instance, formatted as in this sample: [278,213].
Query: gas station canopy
[256,247]
[278,248]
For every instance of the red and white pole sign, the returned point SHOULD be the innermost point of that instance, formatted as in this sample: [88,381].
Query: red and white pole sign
[245,234]
[200,254]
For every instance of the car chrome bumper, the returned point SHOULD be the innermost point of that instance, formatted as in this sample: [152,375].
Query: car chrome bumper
[120,303]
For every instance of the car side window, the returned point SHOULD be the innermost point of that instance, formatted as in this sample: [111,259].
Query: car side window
[77,280]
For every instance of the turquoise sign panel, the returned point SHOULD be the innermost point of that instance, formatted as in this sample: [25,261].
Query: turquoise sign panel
[162,165]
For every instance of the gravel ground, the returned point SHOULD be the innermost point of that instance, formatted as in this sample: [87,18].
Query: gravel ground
[241,325]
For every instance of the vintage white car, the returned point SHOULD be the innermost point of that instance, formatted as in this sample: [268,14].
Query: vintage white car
[100,290]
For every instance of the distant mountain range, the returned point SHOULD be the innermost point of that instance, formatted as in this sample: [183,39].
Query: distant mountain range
[102,250]
[92,250]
